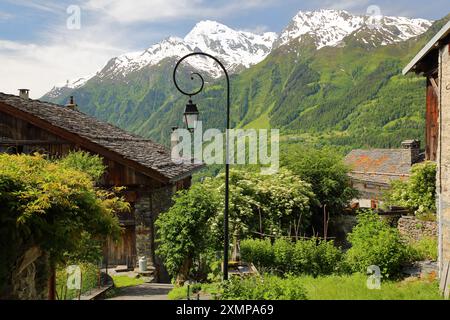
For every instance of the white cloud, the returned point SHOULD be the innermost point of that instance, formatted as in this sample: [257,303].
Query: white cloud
[59,54]
[164,10]
[346,4]
[42,5]
[259,29]
[38,67]
[5,16]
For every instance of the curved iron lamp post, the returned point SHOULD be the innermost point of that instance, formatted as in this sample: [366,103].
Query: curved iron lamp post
[190,117]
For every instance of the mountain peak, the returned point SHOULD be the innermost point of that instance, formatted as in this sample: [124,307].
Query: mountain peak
[329,27]
[209,26]
[241,49]
[237,49]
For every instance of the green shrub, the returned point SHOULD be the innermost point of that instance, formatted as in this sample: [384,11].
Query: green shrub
[419,192]
[314,256]
[263,288]
[53,206]
[258,252]
[374,242]
[424,249]
[283,250]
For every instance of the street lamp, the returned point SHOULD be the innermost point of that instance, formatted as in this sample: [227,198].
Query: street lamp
[190,118]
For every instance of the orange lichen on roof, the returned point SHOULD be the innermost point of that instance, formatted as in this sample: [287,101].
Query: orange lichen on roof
[368,163]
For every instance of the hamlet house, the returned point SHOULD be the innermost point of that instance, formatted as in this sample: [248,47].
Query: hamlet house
[433,62]
[372,171]
[142,166]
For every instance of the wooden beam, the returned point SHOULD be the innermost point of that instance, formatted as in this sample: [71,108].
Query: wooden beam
[435,86]
[7,142]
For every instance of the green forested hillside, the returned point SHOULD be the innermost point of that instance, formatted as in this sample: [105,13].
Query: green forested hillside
[353,95]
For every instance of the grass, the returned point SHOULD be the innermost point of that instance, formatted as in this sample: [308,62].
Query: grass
[353,287]
[90,280]
[350,287]
[122,282]
[425,249]
[126,281]
[179,293]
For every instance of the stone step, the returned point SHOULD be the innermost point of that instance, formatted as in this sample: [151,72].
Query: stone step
[122,268]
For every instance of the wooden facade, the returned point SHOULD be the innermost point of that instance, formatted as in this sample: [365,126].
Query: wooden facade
[432,119]
[24,133]
[433,62]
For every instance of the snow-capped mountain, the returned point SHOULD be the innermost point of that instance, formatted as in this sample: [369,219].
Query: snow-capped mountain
[236,49]
[69,85]
[240,49]
[330,27]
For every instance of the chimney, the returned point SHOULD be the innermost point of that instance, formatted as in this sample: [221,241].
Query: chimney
[24,93]
[72,105]
[411,150]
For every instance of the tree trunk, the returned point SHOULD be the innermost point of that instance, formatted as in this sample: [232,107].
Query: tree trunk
[52,283]
[183,274]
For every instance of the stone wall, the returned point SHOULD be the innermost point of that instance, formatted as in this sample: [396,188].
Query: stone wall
[147,209]
[415,229]
[143,217]
[28,279]
[443,176]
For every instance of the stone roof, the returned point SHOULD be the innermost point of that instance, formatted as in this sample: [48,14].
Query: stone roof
[144,152]
[379,166]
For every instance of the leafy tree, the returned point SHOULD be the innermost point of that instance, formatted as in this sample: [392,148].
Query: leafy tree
[419,192]
[325,171]
[184,230]
[48,205]
[193,226]
[278,204]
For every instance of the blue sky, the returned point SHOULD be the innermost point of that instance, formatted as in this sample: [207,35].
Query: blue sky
[37,49]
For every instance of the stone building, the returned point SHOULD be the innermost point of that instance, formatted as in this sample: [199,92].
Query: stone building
[372,171]
[433,62]
[142,166]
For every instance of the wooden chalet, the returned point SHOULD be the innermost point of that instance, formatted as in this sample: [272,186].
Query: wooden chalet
[433,62]
[142,166]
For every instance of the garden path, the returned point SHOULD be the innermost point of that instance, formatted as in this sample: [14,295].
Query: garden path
[146,291]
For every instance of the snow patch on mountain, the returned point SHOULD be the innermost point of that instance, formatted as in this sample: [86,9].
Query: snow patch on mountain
[69,85]
[330,27]
[240,49]
[236,49]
